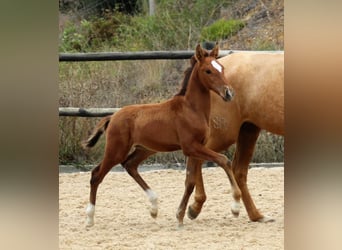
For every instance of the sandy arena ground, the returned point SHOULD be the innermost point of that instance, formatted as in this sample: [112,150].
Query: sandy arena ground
[122,219]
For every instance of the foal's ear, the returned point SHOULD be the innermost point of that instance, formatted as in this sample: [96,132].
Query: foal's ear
[199,53]
[215,51]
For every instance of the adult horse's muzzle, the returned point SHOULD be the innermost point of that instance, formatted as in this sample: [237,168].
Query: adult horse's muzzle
[228,94]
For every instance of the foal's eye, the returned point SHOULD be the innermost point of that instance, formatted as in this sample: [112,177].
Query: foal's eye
[208,71]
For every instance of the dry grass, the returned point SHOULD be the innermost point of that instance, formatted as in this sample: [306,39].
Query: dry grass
[116,84]
[109,84]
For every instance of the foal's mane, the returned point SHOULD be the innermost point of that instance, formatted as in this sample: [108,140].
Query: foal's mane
[187,73]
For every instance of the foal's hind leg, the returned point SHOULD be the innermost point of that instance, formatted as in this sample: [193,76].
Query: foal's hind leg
[244,151]
[111,158]
[131,164]
[97,175]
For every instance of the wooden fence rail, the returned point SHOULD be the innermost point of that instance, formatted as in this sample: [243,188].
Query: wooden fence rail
[86,112]
[142,55]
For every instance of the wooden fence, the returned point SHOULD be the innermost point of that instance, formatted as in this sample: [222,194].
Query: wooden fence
[117,56]
[142,55]
[86,112]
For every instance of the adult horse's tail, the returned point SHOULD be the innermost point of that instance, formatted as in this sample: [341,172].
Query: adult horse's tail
[98,131]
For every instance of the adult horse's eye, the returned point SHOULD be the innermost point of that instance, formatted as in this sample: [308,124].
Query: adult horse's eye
[208,71]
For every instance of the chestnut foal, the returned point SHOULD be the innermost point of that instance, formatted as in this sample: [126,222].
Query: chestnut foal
[181,122]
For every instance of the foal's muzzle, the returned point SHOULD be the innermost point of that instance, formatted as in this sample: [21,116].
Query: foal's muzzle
[228,94]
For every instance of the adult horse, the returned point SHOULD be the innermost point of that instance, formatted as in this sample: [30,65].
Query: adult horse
[181,122]
[258,81]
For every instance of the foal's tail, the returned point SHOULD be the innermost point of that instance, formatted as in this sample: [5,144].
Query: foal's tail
[98,131]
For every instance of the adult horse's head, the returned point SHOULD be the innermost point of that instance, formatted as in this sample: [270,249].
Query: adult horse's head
[211,72]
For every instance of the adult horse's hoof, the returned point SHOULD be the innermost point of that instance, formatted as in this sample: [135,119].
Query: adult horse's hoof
[266,219]
[192,214]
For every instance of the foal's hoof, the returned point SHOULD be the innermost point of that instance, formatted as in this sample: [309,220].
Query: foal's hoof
[90,215]
[180,226]
[192,214]
[235,213]
[266,219]
[235,209]
[153,212]
[90,223]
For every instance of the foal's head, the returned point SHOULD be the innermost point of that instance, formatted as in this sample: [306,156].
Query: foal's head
[211,72]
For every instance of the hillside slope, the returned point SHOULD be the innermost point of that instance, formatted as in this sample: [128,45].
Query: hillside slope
[264,28]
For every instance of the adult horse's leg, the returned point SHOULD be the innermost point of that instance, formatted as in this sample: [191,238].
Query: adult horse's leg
[131,164]
[244,151]
[193,173]
[112,157]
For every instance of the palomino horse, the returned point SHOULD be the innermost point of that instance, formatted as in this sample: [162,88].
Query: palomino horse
[182,122]
[258,81]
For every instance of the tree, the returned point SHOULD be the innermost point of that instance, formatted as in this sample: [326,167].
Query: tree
[152,6]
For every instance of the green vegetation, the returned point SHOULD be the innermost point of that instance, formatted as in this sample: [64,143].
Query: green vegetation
[95,34]
[177,25]
[221,29]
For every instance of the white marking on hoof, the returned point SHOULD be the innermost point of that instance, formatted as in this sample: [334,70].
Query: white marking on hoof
[266,219]
[154,202]
[179,217]
[90,214]
[216,66]
[178,213]
[180,226]
[235,208]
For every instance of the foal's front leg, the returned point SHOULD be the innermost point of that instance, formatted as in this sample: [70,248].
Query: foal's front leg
[190,182]
[201,152]
[193,179]
[200,197]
